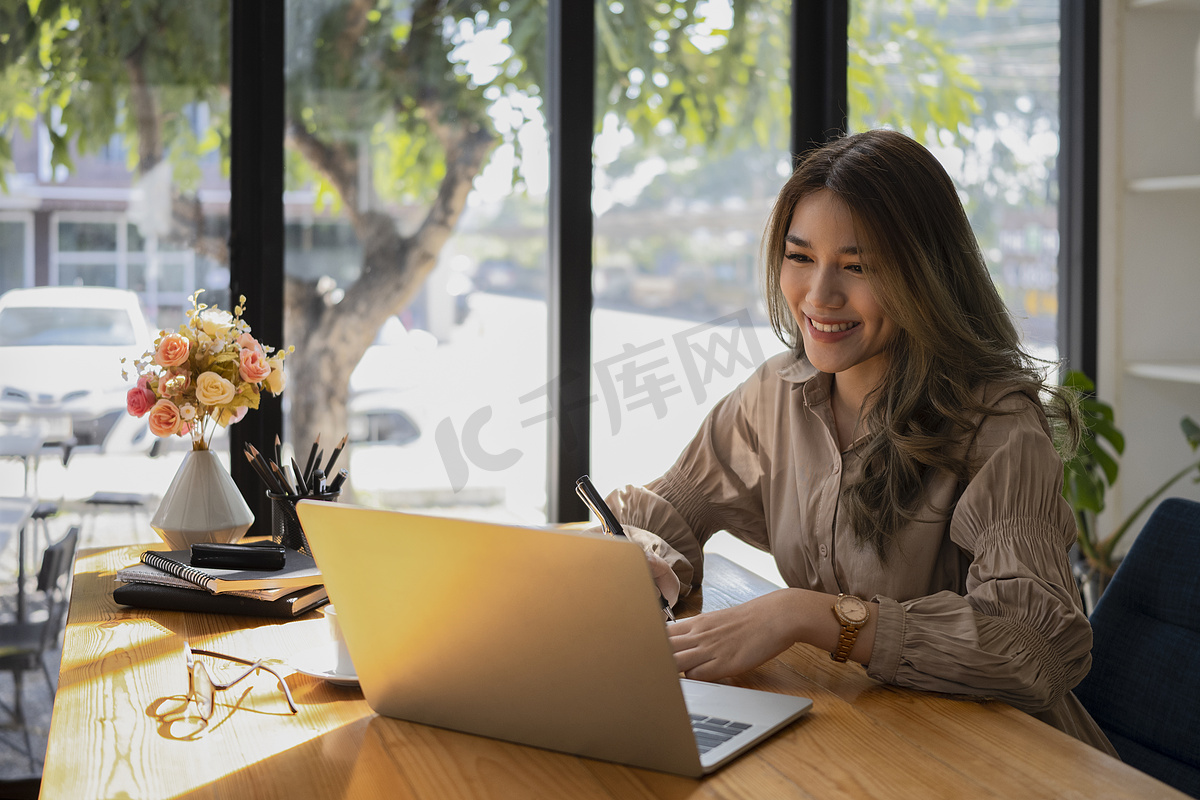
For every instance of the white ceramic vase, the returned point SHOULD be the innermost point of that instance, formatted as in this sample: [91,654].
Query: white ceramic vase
[202,504]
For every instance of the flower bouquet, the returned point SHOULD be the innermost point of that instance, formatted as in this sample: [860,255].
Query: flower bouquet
[208,373]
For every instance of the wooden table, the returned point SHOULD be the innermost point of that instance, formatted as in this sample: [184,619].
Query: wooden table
[113,733]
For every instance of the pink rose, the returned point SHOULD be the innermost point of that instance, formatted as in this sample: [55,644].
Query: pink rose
[164,418]
[253,366]
[172,350]
[248,342]
[139,400]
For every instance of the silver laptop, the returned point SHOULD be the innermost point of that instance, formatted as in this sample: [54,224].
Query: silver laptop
[549,638]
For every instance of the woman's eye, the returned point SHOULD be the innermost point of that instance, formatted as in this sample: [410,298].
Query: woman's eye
[797,257]
[858,268]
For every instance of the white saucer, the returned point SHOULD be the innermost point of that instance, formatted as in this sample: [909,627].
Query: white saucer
[321,662]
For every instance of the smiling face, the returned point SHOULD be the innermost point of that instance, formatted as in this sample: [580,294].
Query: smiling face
[844,328]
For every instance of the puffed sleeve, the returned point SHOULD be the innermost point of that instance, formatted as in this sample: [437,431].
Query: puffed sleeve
[1019,634]
[714,485]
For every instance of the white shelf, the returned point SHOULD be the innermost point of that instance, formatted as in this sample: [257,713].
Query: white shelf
[1166,5]
[1174,372]
[1171,183]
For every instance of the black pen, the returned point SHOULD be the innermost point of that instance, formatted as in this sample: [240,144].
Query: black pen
[609,522]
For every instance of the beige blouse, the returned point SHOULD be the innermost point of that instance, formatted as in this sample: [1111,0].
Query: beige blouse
[982,603]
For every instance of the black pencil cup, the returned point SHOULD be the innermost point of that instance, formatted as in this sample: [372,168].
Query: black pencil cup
[285,524]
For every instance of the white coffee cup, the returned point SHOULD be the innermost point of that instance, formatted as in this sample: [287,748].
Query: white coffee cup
[343,665]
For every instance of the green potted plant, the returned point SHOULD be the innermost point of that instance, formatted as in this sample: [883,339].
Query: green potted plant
[1088,475]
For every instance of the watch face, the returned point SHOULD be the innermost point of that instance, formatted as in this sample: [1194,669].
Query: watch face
[852,609]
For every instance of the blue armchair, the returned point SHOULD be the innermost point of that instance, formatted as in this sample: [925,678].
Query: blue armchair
[1144,686]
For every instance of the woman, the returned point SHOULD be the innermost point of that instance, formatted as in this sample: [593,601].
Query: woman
[899,462]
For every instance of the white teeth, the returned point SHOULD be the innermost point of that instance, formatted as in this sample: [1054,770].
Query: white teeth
[841,326]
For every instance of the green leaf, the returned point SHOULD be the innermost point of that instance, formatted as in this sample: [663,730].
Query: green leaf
[1191,430]
[1074,379]
[1104,429]
[1107,463]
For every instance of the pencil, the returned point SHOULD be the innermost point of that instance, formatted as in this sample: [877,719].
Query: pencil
[337,451]
[312,455]
[316,466]
[300,483]
[287,487]
[263,476]
[261,462]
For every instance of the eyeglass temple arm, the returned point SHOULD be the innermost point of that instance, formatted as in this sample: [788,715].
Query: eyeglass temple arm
[254,665]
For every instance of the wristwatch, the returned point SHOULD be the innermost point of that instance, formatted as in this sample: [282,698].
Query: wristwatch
[852,613]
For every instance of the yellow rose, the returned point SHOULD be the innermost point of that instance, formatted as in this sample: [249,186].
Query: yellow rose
[213,390]
[276,380]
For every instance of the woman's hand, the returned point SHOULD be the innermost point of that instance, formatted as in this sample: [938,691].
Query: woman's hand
[664,577]
[733,640]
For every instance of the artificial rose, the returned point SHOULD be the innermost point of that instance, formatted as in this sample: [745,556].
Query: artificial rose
[164,418]
[248,342]
[213,390]
[139,400]
[276,380]
[175,383]
[172,350]
[216,323]
[252,364]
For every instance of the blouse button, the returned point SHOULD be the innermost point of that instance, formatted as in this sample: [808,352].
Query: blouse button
[823,550]
[837,468]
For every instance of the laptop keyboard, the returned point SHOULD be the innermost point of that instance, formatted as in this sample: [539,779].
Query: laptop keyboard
[713,731]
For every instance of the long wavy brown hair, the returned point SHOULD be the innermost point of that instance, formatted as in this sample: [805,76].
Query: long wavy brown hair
[954,331]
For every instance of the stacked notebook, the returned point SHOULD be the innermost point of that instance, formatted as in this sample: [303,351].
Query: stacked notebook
[167,580]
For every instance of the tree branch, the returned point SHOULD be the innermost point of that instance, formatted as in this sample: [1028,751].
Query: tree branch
[335,163]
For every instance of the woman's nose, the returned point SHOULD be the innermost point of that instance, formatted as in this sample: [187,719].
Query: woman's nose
[825,290]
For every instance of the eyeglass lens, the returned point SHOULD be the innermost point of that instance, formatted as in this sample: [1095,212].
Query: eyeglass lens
[202,691]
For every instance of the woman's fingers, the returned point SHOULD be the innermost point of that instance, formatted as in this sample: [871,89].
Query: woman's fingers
[726,642]
[664,577]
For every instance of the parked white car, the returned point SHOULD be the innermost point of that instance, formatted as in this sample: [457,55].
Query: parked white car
[60,362]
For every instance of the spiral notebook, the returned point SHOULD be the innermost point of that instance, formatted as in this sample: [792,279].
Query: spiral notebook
[299,570]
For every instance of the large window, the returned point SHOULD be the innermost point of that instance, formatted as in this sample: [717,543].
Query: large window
[978,83]
[16,250]
[415,260]
[681,201]
[418,222]
[112,121]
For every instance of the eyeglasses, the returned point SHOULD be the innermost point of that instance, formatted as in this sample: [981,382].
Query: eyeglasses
[203,688]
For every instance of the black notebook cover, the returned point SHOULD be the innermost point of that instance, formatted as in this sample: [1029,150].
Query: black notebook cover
[174,598]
